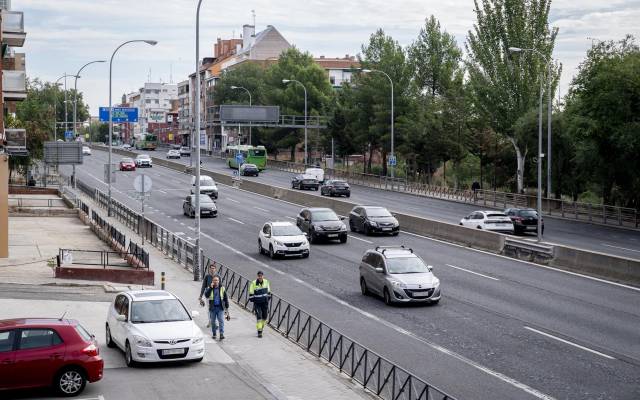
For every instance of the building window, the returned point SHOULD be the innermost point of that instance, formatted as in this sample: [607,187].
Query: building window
[332,80]
[147,101]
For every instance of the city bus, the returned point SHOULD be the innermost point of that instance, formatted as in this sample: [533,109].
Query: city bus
[250,154]
[146,141]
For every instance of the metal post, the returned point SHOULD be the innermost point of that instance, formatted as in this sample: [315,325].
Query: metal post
[142,201]
[65,106]
[75,94]
[162,280]
[196,267]
[549,111]
[539,230]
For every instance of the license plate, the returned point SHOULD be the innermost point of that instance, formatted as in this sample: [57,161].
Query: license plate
[421,293]
[332,235]
[169,352]
[386,229]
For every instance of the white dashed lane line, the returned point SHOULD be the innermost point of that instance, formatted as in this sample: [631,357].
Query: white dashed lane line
[569,343]
[236,221]
[232,200]
[472,272]
[360,239]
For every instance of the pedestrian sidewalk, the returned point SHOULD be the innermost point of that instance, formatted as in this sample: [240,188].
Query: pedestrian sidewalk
[286,372]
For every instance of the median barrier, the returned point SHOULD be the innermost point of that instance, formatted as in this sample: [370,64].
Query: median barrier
[621,269]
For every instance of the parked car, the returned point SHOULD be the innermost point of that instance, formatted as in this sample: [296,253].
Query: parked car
[207,206]
[143,160]
[86,150]
[43,352]
[173,153]
[282,239]
[249,170]
[126,146]
[316,172]
[185,151]
[524,220]
[127,164]
[335,187]
[373,219]
[304,182]
[321,223]
[495,221]
[153,326]
[398,275]
[207,186]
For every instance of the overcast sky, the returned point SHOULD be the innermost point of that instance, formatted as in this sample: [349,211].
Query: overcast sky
[62,35]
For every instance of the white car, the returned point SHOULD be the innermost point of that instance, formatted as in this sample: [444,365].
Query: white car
[143,160]
[126,146]
[153,326]
[316,172]
[173,153]
[86,150]
[282,239]
[495,221]
[185,151]
[207,186]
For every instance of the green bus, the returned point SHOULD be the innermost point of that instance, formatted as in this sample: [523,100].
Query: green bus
[251,155]
[146,141]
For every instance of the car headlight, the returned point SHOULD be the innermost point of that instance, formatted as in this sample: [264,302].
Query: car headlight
[373,223]
[398,284]
[436,282]
[197,340]
[343,227]
[141,341]
[278,243]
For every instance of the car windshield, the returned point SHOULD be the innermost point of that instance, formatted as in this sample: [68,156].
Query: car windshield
[126,160]
[204,199]
[150,311]
[528,213]
[406,265]
[309,177]
[324,215]
[339,183]
[496,215]
[143,157]
[286,230]
[206,181]
[378,212]
[259,153]
[249,166]
[313,171]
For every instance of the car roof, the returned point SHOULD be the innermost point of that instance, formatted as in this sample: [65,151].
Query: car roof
[145,295]
[35,322]
[142,155]
[307,176]
[394,252]
[314,209]
[280,223]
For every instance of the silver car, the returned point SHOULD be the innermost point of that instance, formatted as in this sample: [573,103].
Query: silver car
[398,275]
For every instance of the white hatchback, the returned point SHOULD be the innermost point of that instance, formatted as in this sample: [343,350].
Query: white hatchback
[153,326]
[282,239]
[494,221]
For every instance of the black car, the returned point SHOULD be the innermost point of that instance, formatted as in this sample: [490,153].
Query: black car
[304,182]
[373,219]
[207,206]
[321,223]
[335,187]
[249,170]
[524,220]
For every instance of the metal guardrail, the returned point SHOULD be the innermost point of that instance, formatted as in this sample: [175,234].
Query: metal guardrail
[113,233]
[140,253]
[374,372]
[27,202]
[93,257]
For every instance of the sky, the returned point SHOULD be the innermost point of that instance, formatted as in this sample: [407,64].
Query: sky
[63,35]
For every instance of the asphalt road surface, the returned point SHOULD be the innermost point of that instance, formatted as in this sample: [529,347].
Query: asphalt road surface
[603,239]
[505,329]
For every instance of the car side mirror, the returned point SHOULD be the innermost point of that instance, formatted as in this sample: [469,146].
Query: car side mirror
[379,270]
[430,268]
[343,218]
[121,318]
[194,313]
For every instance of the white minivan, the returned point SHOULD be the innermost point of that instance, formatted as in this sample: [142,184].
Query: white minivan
[316,172]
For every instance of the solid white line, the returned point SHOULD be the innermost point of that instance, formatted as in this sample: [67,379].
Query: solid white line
[261,209]
[233,200]
[360,239]
[569,343]
[178,233]
[618,247]
[191,227]
[162,191]
[472,272]
[236,221]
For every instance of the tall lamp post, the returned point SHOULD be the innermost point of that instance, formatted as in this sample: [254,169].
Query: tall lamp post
[392,119]
[55,102]
[152,43]
[540,155]
[249,93]
[75,94]
[305,117]
[196,267]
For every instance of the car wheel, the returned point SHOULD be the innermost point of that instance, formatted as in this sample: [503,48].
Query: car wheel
[348,195]
[293,185]
[305,255]
[367,231]
[70,381]
[363,287]
[316,189]
[272,254]
[193,214]
[434,302]
[352,228]
[387,297]
[110,342]
[343,239]
[479,227]
[128,358]
[395,233]
[260,250]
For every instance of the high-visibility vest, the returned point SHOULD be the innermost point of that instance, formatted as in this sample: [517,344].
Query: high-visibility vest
[259,293]
[221,294]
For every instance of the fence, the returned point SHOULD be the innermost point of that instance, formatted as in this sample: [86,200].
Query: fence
[374,372]
[93,257]
[30,202]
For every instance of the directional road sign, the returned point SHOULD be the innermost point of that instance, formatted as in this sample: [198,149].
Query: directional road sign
[142,183]
[120,114]
[393,161]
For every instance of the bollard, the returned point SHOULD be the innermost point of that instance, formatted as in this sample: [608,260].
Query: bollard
[162,280]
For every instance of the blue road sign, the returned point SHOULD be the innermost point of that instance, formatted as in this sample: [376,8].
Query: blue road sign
[68,135]
[393,161]
[120,114]
[239,158]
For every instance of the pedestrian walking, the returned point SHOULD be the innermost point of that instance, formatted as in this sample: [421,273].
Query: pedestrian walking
[218,306]
[259,295]
[206,282]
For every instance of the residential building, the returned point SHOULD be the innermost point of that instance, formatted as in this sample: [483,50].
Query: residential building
[339,70]
[154,101]
[184,112]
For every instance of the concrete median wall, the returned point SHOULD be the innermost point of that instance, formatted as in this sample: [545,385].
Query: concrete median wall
[624,270]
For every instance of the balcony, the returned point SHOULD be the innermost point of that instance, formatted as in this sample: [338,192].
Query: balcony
[14,85]
[13,33]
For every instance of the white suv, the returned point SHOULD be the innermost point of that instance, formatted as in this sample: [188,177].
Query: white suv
[282,239]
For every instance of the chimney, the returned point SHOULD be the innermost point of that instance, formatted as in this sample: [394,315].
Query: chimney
[248,36]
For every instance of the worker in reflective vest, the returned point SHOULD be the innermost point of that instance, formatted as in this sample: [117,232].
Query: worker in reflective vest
[218,305]
[259,295]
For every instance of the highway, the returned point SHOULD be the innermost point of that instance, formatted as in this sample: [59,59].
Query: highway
[603,239]
[505,329]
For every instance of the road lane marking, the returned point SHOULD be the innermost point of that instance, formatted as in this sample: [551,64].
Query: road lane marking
[192,228]
[236,221]
[290,217]
[569,343]
[232,200]
[472,272]
[162,191]
[618,247]
[179,233]
[261,209]
[360,239]
[182,223]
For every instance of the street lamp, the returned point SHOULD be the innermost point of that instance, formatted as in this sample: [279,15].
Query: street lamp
[285,81]
[75,93]
[392,136]
[540,155]
[196,267]
[55,102]
[249,93]
[152,43]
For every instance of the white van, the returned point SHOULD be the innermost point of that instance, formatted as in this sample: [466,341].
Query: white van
[316,172]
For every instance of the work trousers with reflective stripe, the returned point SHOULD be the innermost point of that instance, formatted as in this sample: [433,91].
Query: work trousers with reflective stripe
[262,313]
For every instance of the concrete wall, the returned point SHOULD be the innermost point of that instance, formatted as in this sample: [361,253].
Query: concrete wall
[605,266]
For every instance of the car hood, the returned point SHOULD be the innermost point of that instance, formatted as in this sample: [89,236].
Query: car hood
[168,330]
[329,224]
[290,239]
[383,219]
[426,279]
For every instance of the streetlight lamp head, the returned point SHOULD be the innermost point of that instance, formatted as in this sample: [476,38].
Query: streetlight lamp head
[286,80]
[151,42]
[515,49]
[365,70]
[234,87]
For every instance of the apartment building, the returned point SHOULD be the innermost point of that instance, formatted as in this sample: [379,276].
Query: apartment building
[339,70]
[154,102]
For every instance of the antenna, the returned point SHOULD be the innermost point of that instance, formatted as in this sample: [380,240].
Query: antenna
[170,72]
[253,14]
[149,77]
[62,317]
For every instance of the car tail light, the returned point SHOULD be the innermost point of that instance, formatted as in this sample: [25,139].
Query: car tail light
[92,350]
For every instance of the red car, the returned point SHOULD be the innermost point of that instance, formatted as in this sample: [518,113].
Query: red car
[39,352]
[127,164]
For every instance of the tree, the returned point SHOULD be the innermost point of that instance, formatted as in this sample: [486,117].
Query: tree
[505,86]
[248,75]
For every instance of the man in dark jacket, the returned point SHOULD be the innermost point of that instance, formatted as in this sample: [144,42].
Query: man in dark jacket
[206,282]
[259,295]
[218,306]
